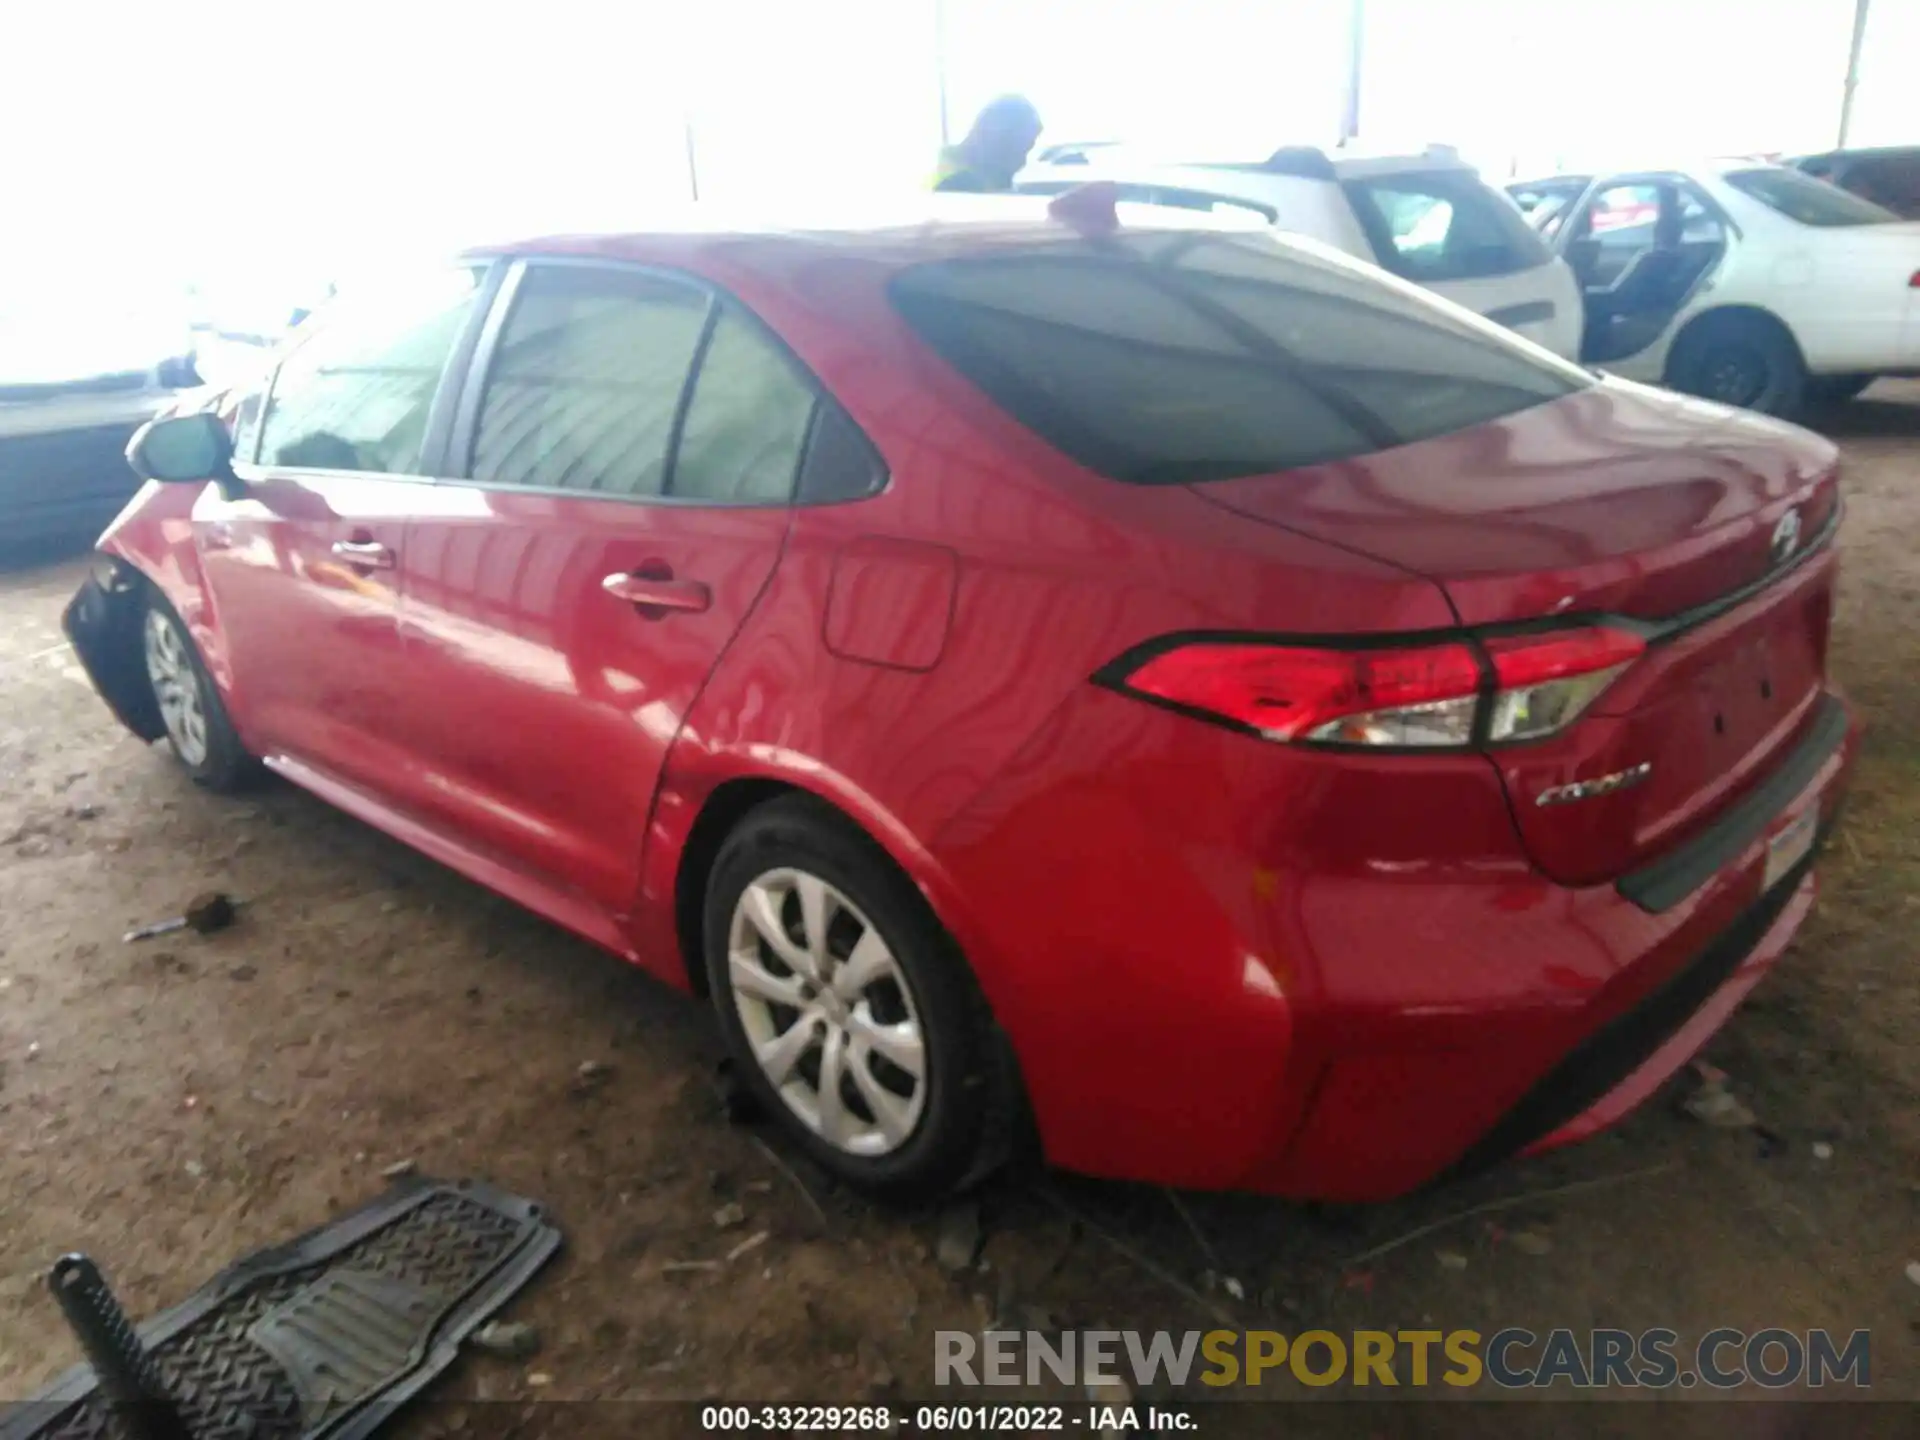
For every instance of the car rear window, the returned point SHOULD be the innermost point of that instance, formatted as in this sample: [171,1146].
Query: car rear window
[1805,199]
[1173,358]
[1440,225]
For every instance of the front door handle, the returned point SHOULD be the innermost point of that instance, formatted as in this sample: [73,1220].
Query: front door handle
[364,554]
[657,593]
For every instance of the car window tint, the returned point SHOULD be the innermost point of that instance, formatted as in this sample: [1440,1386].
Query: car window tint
[1156,359]
[1698,224]
[1889,180]
[1806,200]
[740,442]
[1443,225]
[1545,205]
[841,462]
[586,380]
[355,395]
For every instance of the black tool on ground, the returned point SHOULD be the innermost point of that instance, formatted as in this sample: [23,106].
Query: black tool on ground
[323,1338]
[129,1379]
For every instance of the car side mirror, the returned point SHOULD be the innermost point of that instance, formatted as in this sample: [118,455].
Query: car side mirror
[185,450]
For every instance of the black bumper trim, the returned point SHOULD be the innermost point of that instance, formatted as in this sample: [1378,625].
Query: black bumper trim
[1677,874]
[104,626]
[1628,1041]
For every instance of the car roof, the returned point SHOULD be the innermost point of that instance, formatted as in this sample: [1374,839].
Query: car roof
[900,230]
[1353,159]
[1712,168]
[1856,152]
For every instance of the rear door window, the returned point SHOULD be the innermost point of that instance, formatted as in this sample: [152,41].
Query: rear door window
[1805,200]
[1443,225]
[746,421]
[586,380]
[1164,359]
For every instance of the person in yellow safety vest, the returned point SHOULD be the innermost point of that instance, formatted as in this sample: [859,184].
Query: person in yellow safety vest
[994,150]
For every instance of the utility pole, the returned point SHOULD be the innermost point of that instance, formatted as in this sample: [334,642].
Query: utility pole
[940,64]
[693,170]
[1356,48]
[1853,68]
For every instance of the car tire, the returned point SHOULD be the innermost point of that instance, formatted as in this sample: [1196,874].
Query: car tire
[862,959]
[198,729]
[1837,389]
[1748,361]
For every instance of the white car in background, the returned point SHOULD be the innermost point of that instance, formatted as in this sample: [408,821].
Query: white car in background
[1745,282]
[1426,217]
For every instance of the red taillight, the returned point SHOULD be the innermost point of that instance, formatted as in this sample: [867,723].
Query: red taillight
[1292,693]
[1543,682]
[1913,281]
[1434,695]
[1556,654]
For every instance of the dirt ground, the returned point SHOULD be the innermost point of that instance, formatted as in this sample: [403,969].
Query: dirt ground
[172,1104]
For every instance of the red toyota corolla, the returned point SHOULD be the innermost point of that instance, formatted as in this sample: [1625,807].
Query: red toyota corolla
[1108,676]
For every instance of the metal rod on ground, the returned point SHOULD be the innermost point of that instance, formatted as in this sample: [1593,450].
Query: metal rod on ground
[128,1377]
[1853,69]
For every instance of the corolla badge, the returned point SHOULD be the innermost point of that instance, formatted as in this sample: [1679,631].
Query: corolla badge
[1588,789]
[1786,537]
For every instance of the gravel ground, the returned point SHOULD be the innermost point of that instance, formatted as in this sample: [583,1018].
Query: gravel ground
[172,1104]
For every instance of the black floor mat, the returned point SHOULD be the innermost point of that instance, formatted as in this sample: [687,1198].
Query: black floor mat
[322,1338]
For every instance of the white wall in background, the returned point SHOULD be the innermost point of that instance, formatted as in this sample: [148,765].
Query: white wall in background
[1248,74]
[293,137]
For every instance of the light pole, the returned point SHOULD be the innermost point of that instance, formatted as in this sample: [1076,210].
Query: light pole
[940,63]
[1853,68]
[1356,49]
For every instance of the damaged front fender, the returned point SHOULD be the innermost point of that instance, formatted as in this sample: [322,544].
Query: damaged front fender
[103,622]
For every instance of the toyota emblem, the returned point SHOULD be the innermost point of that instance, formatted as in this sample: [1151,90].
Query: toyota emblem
[1786,537]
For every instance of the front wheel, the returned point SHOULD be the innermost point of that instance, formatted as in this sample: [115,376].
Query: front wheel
[203,738]
[847,1008]
[1747,361]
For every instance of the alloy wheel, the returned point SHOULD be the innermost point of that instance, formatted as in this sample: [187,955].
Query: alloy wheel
[827,1012]
[176,688]
[1736,376]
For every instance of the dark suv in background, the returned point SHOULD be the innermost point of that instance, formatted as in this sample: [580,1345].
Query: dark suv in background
[1889,175]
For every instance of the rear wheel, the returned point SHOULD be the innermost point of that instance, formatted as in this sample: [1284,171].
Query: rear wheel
[203,738]
[847,1007]
[1745,360]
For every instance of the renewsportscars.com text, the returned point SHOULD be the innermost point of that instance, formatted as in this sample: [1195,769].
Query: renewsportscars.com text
[1511,1358]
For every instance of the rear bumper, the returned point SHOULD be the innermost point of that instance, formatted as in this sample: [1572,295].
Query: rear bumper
[1543,1076]
[1219,968]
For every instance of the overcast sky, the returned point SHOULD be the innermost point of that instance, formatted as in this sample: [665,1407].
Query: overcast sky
[264,137]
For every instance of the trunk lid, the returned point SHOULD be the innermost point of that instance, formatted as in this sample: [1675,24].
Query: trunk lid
[1620,501]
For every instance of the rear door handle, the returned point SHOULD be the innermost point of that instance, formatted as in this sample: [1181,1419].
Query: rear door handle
[366,554]
[657,593]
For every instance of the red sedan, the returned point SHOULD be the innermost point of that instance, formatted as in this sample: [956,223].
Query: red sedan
[1103,677]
